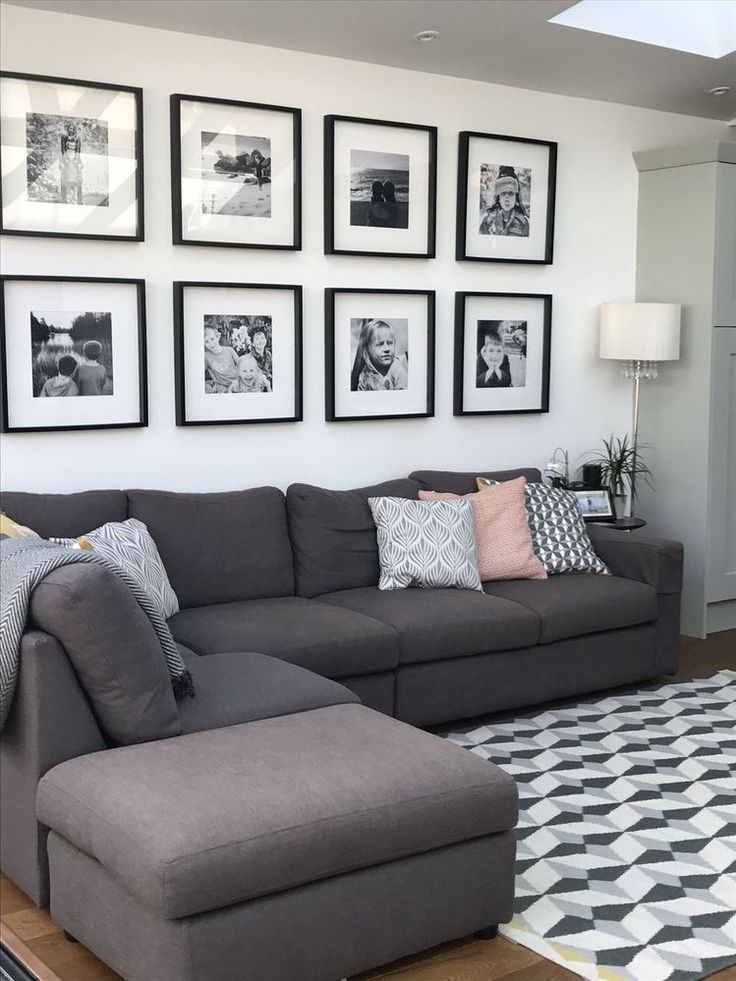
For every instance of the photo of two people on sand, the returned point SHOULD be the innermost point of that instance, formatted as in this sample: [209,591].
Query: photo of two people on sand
[236,175]
[379,189]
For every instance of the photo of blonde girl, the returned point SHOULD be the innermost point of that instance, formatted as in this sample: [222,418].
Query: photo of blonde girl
[380,350]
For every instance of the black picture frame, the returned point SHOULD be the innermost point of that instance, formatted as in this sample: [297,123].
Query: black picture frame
[609,516]
[331,295]
[461,298]
[180,394]
[461,235]
[137,94]
[178,237]
[329,187]
[140,288]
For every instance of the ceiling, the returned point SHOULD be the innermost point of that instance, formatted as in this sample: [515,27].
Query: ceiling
[503,41]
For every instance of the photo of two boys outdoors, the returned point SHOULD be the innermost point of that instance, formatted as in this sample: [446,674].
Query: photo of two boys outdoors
[71,354]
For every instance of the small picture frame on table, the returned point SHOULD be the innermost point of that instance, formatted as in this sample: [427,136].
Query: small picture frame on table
[505,198]
[596,504]
[72,353]
[71,158]
[380,187]
[235,173]
[237,353]
[379,354]
[502,350]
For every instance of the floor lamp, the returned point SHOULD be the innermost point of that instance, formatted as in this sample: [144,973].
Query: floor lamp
[639,335]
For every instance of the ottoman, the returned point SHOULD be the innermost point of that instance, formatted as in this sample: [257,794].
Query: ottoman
[303,848]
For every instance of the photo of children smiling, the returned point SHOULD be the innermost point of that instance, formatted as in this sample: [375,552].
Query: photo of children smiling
[380,355]
[238,356]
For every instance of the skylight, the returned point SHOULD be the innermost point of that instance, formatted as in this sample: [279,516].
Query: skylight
[702,27]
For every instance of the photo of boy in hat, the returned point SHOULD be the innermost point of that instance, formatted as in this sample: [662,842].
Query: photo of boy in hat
[507,214]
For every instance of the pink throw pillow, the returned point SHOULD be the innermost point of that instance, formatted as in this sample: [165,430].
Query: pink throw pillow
[503,541]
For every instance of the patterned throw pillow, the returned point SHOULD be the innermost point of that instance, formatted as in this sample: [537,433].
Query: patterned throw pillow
[503,542]
[129,543]
[558,531]
[426,544]
[11,529]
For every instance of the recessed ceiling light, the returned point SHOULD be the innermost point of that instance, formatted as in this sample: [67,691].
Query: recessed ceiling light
[702,27]
[719,90]
[427,36]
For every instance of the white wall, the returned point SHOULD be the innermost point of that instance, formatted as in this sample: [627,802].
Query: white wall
[594,261]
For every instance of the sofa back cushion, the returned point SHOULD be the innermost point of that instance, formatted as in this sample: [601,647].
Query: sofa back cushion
[219,548]
[334,536]
[65,515]
[113,648]
[463,481]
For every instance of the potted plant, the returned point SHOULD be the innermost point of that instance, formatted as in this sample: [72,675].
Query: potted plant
[621,466]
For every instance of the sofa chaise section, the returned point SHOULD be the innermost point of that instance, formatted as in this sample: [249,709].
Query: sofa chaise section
[309,817]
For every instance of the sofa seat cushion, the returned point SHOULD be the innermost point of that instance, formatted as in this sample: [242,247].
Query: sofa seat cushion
[214,818]
[573,605]
[236,688]
[434,624]
[333,642]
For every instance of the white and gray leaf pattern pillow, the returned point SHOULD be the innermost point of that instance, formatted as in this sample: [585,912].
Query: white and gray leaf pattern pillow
[430,544]
[559,536]
[129,543]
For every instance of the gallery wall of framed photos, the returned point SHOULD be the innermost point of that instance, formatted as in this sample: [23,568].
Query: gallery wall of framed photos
[393,128]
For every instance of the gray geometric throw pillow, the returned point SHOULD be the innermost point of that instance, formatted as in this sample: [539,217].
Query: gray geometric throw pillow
[129,543]
[559,537]
[430,544]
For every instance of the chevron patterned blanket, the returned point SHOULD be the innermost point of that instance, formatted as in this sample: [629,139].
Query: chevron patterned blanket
[24,562]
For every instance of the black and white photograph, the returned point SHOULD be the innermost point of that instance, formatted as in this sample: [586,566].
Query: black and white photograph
[380,187]
[379,350]
[238,353]
[71,156]
[501,346]
[73,353]
[380,354]
[236,173]
[595,504]
[502,352]
[505,198]
[66,159]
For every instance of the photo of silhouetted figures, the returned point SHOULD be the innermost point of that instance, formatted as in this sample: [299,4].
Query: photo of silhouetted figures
[379,189]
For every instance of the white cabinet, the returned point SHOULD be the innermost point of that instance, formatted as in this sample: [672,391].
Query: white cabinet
[686,253]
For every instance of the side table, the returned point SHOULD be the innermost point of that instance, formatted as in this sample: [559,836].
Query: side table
[627,524]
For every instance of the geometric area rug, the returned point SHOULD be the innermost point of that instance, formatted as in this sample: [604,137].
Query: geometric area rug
[626,859]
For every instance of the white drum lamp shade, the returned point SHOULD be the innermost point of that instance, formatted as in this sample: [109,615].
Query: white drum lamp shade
[640,331]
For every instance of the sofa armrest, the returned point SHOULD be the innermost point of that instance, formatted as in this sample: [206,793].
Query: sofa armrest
[655,561]
[49,722]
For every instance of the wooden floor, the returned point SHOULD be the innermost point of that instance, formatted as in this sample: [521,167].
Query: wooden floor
[40,944]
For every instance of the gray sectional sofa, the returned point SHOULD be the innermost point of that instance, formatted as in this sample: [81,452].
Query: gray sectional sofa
[273,828]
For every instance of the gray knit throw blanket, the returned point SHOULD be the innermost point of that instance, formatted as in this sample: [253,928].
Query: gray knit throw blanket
[24,562]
